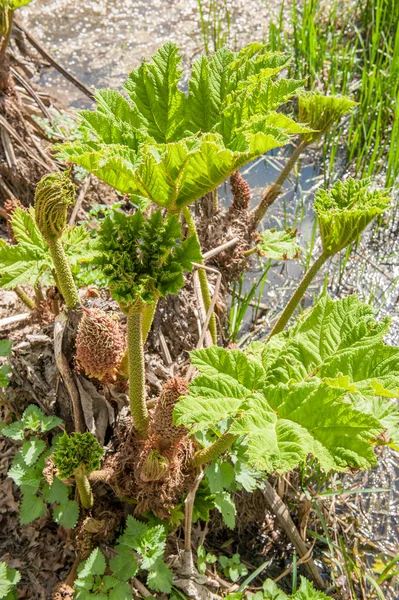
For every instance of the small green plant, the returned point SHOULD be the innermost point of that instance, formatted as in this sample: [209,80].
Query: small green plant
[139,548]
[5,370]
[204,558]
[8,582]
[306,591]
[232,567]
[76,456]
[29,464]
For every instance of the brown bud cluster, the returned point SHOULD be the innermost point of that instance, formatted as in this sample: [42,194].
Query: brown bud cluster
[100,344]
[241,192]
[162,424]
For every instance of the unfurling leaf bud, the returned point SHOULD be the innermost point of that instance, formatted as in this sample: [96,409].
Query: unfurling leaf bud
[154,467]
[54,194]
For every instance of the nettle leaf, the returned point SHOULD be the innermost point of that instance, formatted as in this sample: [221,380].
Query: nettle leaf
[5,347]
[345,210]
[306,591]
[220,476]
[57,492]
[225,505]
[160,578]
[15,431]
[5,372]
[120,591]
[305,399]
[31,508]
[31,450]
[8,580]
[124,565]
[94,565]
[67,514]
[28,478]
[279,245]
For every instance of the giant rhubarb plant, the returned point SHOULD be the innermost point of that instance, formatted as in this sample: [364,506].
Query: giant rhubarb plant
[343,212]
[142,259]
[321,388]
[172,148]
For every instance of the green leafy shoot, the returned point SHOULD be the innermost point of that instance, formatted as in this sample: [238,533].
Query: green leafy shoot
[29,259]
[92,582]
[344,210]
[278,245]
[144,259]
[32,420]
[232,567]
[204,558]
[173,148]
[305,591]
[139,548]
[291,398]
[320,113]
[5,370]
[27,471]
[8,582]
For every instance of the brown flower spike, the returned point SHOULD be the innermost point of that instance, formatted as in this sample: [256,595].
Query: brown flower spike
[100,343]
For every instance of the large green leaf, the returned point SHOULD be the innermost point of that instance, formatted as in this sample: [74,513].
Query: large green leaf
[174,175]
[153,90]
[22,264]
[312,390]
[233,94]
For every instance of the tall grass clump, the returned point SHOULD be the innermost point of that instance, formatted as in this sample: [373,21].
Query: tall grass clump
[350,48]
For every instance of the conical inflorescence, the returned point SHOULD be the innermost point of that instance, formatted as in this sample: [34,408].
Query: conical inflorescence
[100,344]
[162,425]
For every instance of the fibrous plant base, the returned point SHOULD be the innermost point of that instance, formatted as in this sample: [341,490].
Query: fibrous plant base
[155,471]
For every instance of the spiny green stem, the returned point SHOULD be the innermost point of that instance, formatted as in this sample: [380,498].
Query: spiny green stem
[84,488]
[148,317]
[65,279]
[137,372]
[23,296]
[206,296]
[274,190]
[296,298]
[214,450]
